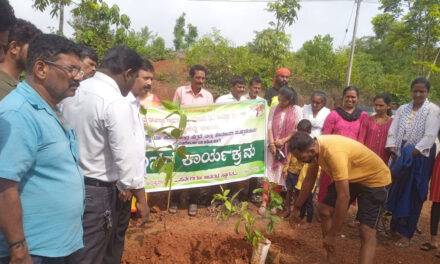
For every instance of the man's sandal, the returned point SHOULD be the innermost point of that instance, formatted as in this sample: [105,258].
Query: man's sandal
[173,208]
[192,210]
[428,246]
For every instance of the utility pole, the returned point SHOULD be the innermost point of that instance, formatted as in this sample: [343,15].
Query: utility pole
[353,43]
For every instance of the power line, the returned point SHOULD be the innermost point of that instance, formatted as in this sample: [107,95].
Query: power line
[348,24]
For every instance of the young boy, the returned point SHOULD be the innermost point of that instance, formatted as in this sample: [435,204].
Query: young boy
[293,168]
[307,208]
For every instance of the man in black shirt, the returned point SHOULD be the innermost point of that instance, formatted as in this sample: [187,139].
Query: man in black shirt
[281,79]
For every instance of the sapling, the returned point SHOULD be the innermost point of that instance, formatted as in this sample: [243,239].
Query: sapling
[253,236]
[164,164]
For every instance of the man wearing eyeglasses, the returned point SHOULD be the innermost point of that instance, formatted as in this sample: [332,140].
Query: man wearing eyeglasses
[16,52]
[41,183]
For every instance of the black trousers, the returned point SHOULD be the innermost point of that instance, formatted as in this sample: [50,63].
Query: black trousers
[435,217]
[121,219]
[307,208]
[97,225]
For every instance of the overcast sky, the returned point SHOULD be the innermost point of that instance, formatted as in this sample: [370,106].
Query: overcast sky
[237,21]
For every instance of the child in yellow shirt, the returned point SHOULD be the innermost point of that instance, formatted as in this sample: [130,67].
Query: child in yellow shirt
[293,168]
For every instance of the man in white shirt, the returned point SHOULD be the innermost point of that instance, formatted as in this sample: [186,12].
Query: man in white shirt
[103,121]
[89,60]
[121,217]
[237,88]
[254,89]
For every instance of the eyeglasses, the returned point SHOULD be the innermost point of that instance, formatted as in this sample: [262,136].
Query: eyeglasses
[74,71]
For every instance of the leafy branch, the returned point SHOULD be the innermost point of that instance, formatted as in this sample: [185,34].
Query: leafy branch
[165,164]
[252,235]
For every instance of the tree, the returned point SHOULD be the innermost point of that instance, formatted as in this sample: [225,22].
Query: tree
[285,13]
[272,44]
[417,28]
[147,44]
[179,32]
[319,53]
[57,10]
[182,38]
[222,60]
[406,38]
[99,26]
[191,36]
[146,34]
[383,24]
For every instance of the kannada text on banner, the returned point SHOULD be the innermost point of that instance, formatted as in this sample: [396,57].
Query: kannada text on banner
[225,143]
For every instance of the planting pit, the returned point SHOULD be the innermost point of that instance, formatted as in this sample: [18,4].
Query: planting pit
[180,239]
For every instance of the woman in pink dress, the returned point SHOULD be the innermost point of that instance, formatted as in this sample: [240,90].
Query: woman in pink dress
[344,121]
[281,126]
[374,129]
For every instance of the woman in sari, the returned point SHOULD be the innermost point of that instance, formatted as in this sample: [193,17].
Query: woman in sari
[282,122]
[411,140]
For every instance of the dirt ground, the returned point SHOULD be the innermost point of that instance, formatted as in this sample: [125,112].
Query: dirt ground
[202,239]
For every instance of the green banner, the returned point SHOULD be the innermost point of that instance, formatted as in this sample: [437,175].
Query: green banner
[225,143]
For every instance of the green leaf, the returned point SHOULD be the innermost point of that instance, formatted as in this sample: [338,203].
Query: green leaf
[143,111]
[172,113]
[235,195]
[226,192]
[224,215]
[158,163]
[181,150]
[269,227]
[168,104]
[150,134]
[278,199]
[182,122]
[255,242]
[258,233]
[176,133]
[163,128]
[216,197]
[168,169]
[260,190]
[244,207]
[237,225]
[228,205]
[177,103]
[125,21]
[274,218]
[246,230]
